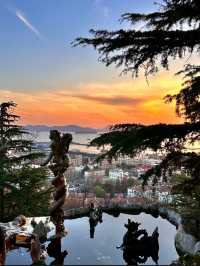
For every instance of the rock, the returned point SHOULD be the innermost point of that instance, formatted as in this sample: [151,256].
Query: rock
[42,229]
[197,248]
[191,226]
[173,217]
[184,243]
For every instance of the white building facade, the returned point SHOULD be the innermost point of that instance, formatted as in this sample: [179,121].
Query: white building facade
[115,174]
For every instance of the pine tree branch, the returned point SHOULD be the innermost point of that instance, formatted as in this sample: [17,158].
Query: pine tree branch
[189,161]
[142,49]
[132,139]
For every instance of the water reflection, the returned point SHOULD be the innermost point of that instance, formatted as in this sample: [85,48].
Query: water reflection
[32,236]
[41,229]
[54,250]
[95,217]
[137,246]
[24,233]
[101,250]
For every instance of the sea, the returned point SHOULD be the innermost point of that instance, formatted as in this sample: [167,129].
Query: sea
[80,141]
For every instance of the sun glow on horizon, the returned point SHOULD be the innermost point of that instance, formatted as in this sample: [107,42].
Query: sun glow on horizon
[99,104]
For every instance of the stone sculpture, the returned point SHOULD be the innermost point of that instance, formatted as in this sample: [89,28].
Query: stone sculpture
[41,229]
[137,246]
[59,162]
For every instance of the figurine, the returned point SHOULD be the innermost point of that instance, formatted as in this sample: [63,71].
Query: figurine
[137,246]
[59,162]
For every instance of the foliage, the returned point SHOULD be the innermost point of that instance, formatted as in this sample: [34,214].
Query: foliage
[99,192]
[132,182]
[109,187]
[23,188]
[115,186]
[162,37]
[190,260]
[187,100]
[170,33]
[33,193]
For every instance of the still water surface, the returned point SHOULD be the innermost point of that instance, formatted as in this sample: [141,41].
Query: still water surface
[102,248]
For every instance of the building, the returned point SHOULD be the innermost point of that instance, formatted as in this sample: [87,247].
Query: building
[164,194]
[70,172]
[115,174]
[136,191]
[105,164]
[141,169]
[76,160]
[149,192]
[95,173]
[79,169]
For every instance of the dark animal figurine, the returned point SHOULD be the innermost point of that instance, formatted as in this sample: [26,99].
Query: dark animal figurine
[54,250]
[137,246]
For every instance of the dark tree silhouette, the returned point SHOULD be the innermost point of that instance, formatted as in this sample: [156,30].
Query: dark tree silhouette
[163,37]
[172,32]
[23,188]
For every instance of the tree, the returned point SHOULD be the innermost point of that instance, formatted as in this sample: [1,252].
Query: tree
[170,33]
[118,186]
[23,187]
[132,182]
[162,37]
[99,191]
[109,187]
[33,194]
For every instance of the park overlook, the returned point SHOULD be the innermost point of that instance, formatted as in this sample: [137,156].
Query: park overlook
[100,132]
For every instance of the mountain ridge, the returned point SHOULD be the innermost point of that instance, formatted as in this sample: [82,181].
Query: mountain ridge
[69,128]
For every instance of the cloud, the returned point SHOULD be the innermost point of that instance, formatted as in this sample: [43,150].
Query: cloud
[98,104]
[27,23]
[119,100]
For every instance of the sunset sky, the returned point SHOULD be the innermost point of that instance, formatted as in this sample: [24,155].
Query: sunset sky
[55,84]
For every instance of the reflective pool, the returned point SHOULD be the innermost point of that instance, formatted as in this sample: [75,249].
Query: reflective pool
[82,249]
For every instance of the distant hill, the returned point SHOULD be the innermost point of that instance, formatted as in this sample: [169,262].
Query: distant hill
[66,128]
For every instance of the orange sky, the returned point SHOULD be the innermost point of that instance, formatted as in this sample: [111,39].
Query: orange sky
[99,105]
[55,84]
